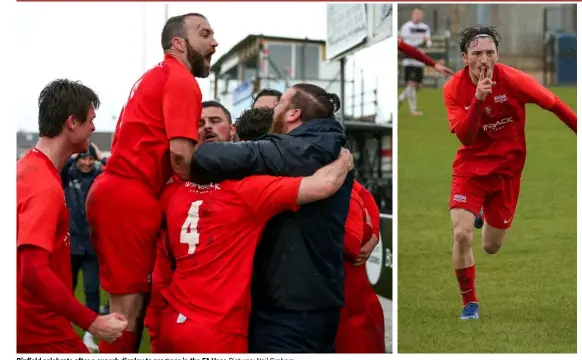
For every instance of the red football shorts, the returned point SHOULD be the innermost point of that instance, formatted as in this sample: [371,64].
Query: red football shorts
[188,337]
[125,221]
[362,332]
[497,195]
[73,346]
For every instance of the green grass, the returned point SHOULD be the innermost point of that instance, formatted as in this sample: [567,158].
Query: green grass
[79,294]
[528,290]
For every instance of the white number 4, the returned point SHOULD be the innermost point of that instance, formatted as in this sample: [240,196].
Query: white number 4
[189,234]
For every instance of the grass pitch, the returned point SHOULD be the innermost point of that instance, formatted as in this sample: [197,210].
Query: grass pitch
[527,290]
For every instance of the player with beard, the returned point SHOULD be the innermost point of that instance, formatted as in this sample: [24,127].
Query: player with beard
[215,123]
[297,288]
[155,137]
[486,107]
[46,306]
[215,127]
[208,290]
[361,328]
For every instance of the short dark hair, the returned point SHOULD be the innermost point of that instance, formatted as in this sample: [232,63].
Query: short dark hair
[254,123]
[314,102]
[466,35]
[175,27]
[266,92]
[60,99]
[216,104]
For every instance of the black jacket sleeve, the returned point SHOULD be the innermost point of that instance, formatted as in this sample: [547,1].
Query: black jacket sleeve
[278,155]
[65,172]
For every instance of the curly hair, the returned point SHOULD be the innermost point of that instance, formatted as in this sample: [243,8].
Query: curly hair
[467,35]
[254,123]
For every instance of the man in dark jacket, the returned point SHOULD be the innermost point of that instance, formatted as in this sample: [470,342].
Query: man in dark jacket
[78,176]
[298,278]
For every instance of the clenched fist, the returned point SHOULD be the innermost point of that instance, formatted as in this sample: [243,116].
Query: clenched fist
[108,327]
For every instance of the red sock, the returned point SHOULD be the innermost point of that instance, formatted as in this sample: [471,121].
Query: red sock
[466,279]
[124,345]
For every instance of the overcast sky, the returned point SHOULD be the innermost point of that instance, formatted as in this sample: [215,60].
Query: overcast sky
[107,46]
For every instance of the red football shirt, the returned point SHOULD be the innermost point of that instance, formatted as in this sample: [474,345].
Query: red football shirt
[42,219]
[213,231]
[164,103]
[499,147]
[361,316]
[354,227]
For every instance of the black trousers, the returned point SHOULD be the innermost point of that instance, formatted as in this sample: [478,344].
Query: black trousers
[87,263]
[288,331]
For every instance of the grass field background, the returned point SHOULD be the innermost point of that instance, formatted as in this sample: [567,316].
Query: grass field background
[527,290]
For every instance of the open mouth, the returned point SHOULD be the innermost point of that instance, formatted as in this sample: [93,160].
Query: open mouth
[208,58]
[210,137]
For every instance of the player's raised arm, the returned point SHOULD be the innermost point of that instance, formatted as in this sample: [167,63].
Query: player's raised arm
[416,54]
[272,155]
[325,181]
[267,196]
[465,124]
[535,93]
[182,108]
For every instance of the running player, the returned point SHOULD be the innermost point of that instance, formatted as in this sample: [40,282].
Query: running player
[155,135]
[485,103]
[46,306]
[415,33]
[212,232]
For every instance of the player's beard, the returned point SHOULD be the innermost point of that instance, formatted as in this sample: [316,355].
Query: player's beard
[278,125]
[197,62]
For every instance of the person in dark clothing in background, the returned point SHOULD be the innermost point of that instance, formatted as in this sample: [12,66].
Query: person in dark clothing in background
[266,98]
[78,176]
[298,280]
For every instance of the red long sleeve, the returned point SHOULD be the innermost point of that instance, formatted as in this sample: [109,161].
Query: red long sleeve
[38,278]
[354,229]
[414,53]
[467,129]
[564,113]
[534,93]
[373,211]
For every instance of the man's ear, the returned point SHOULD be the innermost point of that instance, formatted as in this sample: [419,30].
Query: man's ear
[71,122]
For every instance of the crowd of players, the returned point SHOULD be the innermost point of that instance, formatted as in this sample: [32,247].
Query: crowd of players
[215,245]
